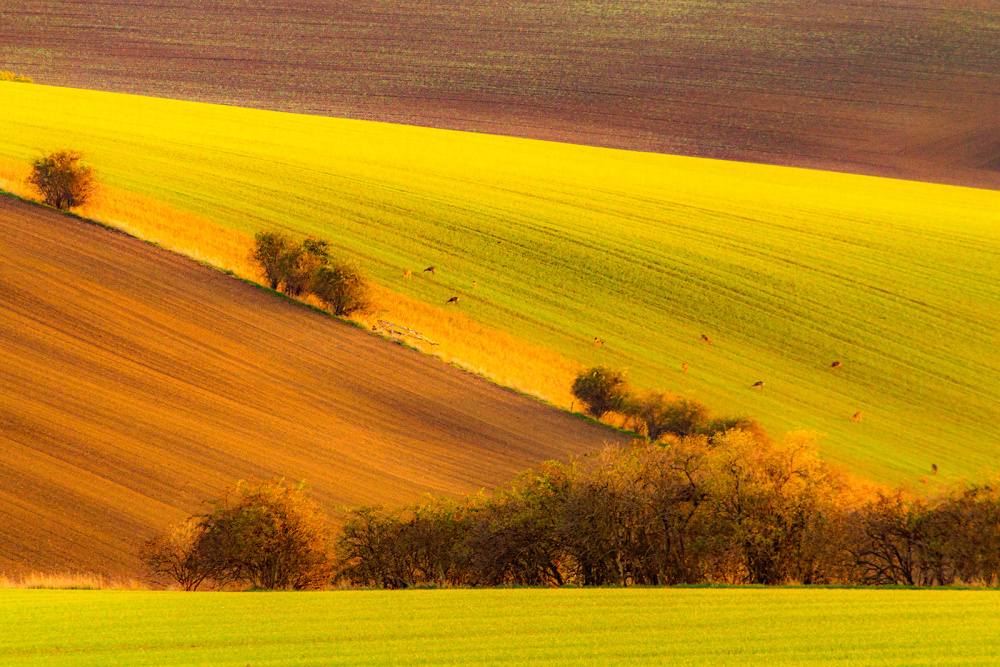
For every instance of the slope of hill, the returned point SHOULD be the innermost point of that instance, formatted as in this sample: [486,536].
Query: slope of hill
[900,88]
[787,269]
[135,383]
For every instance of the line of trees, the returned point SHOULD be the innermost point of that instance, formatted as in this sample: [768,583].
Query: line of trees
[307,268]
[728,508]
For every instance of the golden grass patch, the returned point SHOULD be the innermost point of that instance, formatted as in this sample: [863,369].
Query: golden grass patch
[72,580]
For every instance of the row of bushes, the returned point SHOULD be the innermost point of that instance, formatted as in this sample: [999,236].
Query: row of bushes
[307,268]
[655,415]
[725,509]
[729,508]
[295,268]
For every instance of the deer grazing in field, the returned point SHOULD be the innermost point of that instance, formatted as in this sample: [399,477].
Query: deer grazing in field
[759,384]
[408,274]
[856,417]
[598,341]
[453,299]
[429,268]
[706,339]
[835,365]
[934,468]
[684,368]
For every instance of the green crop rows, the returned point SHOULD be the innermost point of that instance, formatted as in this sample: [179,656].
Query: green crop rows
[464,627]
[786,270]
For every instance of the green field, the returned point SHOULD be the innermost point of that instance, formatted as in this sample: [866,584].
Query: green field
[786,269]
[466,627]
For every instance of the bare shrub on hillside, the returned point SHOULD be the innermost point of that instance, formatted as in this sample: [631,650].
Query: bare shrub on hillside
[342,288]
[604,525]
[765,504]
[175,554]
[514,537]
[679,417]
[267,535]
[260,534]
[968,525]
[299,263]
[370,552]
[602,390]
[886,540]
[739,423]
[268,253]
[62,181]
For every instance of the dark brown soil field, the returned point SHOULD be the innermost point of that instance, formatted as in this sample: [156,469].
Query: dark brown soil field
[903,88]
[135,383]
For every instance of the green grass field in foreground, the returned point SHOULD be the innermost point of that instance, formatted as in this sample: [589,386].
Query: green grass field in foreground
[467,627]
[786,269]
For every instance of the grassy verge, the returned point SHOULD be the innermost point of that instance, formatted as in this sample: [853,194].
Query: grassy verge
[708,626]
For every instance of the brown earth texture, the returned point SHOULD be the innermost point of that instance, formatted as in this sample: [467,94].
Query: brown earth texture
[901,88]
[135,383]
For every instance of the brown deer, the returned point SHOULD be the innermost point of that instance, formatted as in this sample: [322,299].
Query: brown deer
[856,417]
[934,468]
[835,365]
[684,368]
[706,339]
[453,299]
[759,384]
[598,341]
[408,274]
[429,268]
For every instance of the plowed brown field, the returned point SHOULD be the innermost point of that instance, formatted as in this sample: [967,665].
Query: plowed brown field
[907,88]
[135,383]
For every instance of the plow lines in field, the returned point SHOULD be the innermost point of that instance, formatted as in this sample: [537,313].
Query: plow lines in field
[561,627]
[786,270]
[135,384]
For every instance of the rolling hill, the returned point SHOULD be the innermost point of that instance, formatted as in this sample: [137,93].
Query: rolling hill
[786,269]
[135,383]
[907,89]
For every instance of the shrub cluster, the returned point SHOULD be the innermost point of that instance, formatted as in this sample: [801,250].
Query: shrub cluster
[261,534]
[729,508]
[657,416]
[306,268]
[11,76]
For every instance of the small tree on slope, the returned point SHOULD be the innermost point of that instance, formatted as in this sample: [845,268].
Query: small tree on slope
[63,182]
[602,390]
